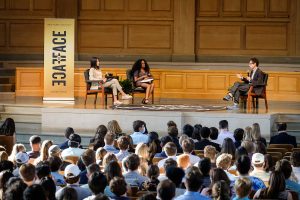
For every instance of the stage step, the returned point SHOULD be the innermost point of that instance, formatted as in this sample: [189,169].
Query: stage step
[7,79]
[8,87]
[24,114]
[7,95]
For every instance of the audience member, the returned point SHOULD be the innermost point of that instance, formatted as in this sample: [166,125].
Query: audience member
[269,164]
[54,150]
[188,147]
[154,144]
[152,174]
[114,128]
[224,132]
[173,133]
[35,144]
[20,159]
[258,161]
[295,161]
[109,157]
[6,165]
[54,163]
[74,144]
[98,140]
[132,177]
[259,147]
[171,151]
[220,190]
[196,133]
[97,184]
[256,134]
[138,136]
[16,149]
[176,174]
[142,150]
[242,187]
[228,147]
[224,162]
[44,151]
[283,137]
[214,133]
[205,166]
[171,123]
[67,193]
[211,152]
[90,170]
[119,187]
[4,178]
[68,132]
[248,134]
[49,187]
[249,146]
[42,170]
[112,170]
[238,136]
[123,144]
[3,156]
[183,161]
[163,141]
[15,189]
[168,163]
[109,143]
[88,157]
[148,196]
[166,190]
[34,192]
[188,130]
[205,132]
[100,153]
[28,174]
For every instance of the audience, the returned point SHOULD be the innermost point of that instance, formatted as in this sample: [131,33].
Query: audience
[67,193]
[163,141]
[15,189]
[16,149]
[188,130]
[54,150]
[228,147]
[188,147]
[119,187]
[114,128]
[44,151]
[168,163]
[109,143]
[20,159]
[139,129]
[34,192]
[132,177]
[224,162]
[214,133]
[152,174]
[166,190]
[49,187]
[224,132]
[256,134]
[205,132]
[211,152]
[205,166]
[97,184]
[176,174]
[54,163]
[88,157]
[35,144]
[171,151]
[248,134]
[98,140]
[242,187]
[173,133]
[196,133]
[220,190]
[100,153]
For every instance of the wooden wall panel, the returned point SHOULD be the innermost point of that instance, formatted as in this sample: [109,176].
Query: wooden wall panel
[114,5]
[255,8]
[219,37]
[271,84]
[90,4]
[208,8]
[156,36]
[232,8]
[2,4]
[279,8]
[101,36]
[2,34]
[195,81]
[266,37]
[43,5]
[216,82]
[174,81]
[26,35]
[137,5]
[30,82]
[290,87]
[158,5]
[19,4]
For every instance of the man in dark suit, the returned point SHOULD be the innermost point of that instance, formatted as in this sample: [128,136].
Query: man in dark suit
[255,78]
[283,137]
[205,132]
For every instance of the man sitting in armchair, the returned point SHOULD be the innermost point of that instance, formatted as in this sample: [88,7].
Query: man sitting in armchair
[255,78]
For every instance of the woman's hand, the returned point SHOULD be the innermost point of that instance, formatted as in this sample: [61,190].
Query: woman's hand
[104,80]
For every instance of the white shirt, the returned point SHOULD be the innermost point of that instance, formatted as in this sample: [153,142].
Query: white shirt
[138,137]
[72,152]
[296,171]
[161,163]
[193,159]
[222,135]
[253,73]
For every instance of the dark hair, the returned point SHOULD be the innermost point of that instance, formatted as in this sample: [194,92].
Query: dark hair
[269,164]
[243,165]
[153,144]
[118,186]
[43,169]
[88,157]
[205,166]
[49,186]
[228,147]
[153,172]
[15,189]
[4,178]
[27,172]
[169,163]
[205,132]
[238,134]
[164,140]
[68,132]
[35,139]
[101,197]
[281,127]
[295,158]
[260,147]
[138,65]
[223,124]
[112,170]
[285,167]
[171,123]
[34,192]
[166,190]
[97,183]
[133,161]
[175,174]
[276,185]
[214,133]
[123,142]
[255,60]
[196,133]
[137,125]
[240,151]
[194,179]
[6,165]
[94,62]
[188,145]
[147,196]
[67,193]
[8,127]
[221,190]
[218,174]
[74,140]
[188,130]
[93,168]
[54,162]
[173,131]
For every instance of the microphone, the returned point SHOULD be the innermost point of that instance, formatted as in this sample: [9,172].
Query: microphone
[248,73]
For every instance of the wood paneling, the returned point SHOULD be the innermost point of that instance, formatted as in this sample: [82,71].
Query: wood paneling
[2,34]
[149,36]
[2,4]
[216,82]
[266,37]
[288,84]
[195,81]
[232,8]
[30,82]
[174,81]
[255,8]
[114,5]
[158,5]
[219,37]
[90,4]
[279,8]
[137,5]
[208,8]
[26,35]
[19,4]
[43,5]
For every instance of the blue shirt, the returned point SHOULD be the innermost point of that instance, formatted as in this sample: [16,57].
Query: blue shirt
[58,178]
[161,155]
[257,183]
[111,148]
[292,185]
[138,137]
[188,195]
[237,198]
[134,179]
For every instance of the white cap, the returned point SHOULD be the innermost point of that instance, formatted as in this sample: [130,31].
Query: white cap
[72,171]
[21,158]
[53,149]
[258,158]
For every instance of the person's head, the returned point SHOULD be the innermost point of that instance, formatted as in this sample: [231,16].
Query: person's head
[68,132]
[152,172]
[97,183]
[27,173]
[153,137]
[166,190]
[16,149]
[15,189]
[138,126]
[3,155]
[109,157]
[188,130]
[253,62]
[281,127]
[223,125]
[95,62]
[100,132]
[169,163]
[100,153]
[118,186]
[72,174]
[248,134]
[21,158]
[92,168]
[242,187]
[109,139]
[223,161]
[171,123]
[243,165]
[112,170]
[123,143]
[67,193]
[170,149]
[214,133]
[6,165]
[188,146]
[148,196]
[35,142]
[205,132]
[44,149]
[193,179]
[54,163]
[220,190]
[238,134]
[256,134]
[133,162]
[183,137]
[248,145]
[54,150]
[49,186]
[34,192]
[269,164]
[173,131]
[43,169]
[140,64]
[114,127]
[8,127]
[183,160]
[4,178]
[240,151]
[285,167]
[196,133]
[74,140]
[142,150]
[260,147]
[205,166]
[101,197]
[164,140]
[276,184]
[175,174]
[258,160]
[228,147]
[295,158]
[88,157]
[210,152]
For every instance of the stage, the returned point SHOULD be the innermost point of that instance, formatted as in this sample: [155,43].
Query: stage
[32,116]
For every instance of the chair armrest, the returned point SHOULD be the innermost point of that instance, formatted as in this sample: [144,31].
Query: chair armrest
[94,81]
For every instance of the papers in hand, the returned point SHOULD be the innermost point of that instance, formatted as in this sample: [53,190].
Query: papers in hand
[148,80]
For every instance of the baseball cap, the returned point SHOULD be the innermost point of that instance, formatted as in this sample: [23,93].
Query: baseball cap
[53,149]
[258,158]
[72,171]
[21,158]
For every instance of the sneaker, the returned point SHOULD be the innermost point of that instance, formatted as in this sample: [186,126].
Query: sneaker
[117,103]
[235,106]
[227,98]
[127,96]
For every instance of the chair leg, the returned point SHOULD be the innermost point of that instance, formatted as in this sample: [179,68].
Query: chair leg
[96,95]
[153,97]
[132,100]
[257,103]
[102,98]
[248,102]
[266,103]
[253,102]
[85,98]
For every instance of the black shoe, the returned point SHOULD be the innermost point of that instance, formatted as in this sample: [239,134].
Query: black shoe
[227,98]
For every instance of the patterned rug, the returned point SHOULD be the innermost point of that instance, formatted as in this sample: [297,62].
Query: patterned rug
[187,108]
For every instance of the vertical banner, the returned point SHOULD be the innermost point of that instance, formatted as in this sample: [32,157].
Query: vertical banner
[59,60]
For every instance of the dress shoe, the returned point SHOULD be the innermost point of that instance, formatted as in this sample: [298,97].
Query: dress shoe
[227,98]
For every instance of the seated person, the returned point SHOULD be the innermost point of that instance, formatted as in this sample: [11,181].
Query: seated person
[211,152]
[132,177]
[283,137]
[171,151]
[238,135]
[205,132]
[169,163]
[68,132]
[255,78]
[242,187]
[176,174]
[163,141]
[96,74]
[138,136]
[118,187]
[295,161]
[258,163]
[73,150]
[188,147]
[109,143]
[166,190]
[141,72]
[205,166]
[123,144]
[35,144]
